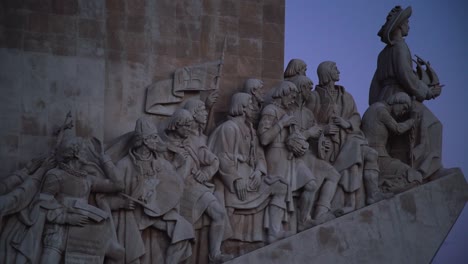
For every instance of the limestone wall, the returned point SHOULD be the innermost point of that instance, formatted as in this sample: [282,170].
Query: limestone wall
[96,57]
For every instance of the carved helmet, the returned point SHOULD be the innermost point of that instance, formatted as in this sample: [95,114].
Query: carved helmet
[394,18]
[145,127]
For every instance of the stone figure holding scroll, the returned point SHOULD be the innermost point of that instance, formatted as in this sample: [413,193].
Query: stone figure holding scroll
[394,74]
[255,201]
[152,182]
[284,144]
[379,122]
[197,165]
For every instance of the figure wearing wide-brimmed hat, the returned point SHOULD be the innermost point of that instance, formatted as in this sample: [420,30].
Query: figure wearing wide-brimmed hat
[395,74]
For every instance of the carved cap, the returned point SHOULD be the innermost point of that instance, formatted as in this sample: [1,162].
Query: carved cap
[145,127]
[394,18]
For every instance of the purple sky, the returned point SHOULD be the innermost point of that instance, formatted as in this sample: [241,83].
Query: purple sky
[346,32]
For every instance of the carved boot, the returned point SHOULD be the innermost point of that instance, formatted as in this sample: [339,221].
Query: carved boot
[274,230]
[323,214]
[219,258]
[371,184]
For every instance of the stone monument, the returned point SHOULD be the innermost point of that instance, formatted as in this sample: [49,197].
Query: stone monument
[187,143]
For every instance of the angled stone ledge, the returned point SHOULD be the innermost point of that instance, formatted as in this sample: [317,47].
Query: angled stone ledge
[409,228]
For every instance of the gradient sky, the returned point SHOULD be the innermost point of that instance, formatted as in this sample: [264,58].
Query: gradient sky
[345,31]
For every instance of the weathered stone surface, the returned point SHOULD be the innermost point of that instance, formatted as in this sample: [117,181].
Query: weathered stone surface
[408,228]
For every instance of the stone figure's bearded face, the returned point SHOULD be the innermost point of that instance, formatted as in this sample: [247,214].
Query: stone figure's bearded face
[399,110]
[183,129]
[201,115]
[289,100]
[251,111]
[154,143]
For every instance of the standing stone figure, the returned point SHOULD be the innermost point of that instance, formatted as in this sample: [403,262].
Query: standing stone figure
[379,122]
[347,149]
[197,165]
[328,177]
[283,144]
[394,74]
[152,181]
[254,199]
[65,194]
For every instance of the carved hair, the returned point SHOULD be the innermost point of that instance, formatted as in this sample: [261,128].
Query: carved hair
[252,84]
[283,89]
[239,101]
[324,72]
[399,98]
[295,66]
[193,104]
[180,117]
[302,81]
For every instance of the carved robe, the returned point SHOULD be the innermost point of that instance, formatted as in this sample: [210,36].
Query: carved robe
[346,149]
[240,155]
[281,162]
[136,230]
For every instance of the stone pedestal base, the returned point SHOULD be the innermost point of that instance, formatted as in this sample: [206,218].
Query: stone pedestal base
[408,228]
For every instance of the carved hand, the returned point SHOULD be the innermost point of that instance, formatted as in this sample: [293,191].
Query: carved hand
[339,121]
[241,189]
[331,129]
[287,120]
[315,132]
[211,99]
[255,180]
[128,205]
[76,219]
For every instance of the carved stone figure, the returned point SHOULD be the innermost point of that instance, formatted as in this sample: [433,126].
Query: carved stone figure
[295,67]
[156,188]
[200,116]
[19,189]
[254,87]
[65,196]
[394,74]
[347,149]
[328,177]
[255,200]
[197,165]
[283,144]
[379,122]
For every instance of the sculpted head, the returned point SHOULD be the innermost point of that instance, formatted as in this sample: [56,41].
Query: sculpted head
[198,110]
[396,25]
[304,84]
[286,93]
[146,134]
[328,72]
[69,149]
[400,104]
[295,67]
[242,105]
[180,123]
[253,87]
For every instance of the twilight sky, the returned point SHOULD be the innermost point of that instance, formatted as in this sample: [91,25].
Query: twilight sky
[346,32]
